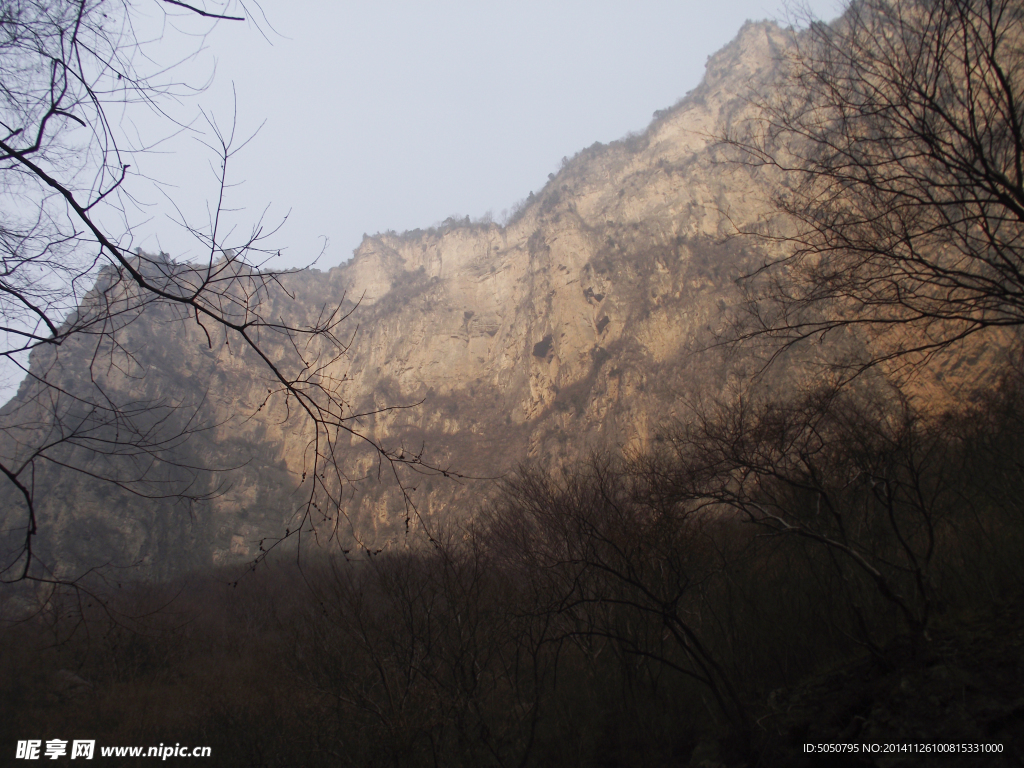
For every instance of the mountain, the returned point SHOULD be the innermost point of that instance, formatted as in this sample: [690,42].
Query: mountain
[570,329]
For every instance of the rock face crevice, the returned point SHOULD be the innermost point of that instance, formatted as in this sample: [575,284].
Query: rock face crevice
[569,329]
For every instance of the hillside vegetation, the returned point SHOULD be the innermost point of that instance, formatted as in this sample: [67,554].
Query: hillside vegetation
[621,612]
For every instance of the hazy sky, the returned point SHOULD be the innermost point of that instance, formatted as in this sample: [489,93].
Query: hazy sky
[396,115]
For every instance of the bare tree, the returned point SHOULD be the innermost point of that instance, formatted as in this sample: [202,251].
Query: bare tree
[70,286]
[618,562]
[433,656]
[869,480]
[899,135]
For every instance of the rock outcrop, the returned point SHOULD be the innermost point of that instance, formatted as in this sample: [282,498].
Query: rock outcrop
[568,329]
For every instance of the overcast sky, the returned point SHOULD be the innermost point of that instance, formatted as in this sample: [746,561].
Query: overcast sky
[398,114]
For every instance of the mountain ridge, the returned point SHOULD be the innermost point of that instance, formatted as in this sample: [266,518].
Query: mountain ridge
[567,330]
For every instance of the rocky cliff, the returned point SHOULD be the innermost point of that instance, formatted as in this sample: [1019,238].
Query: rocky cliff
[569,329]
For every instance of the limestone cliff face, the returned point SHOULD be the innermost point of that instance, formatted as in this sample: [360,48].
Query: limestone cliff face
[566,330]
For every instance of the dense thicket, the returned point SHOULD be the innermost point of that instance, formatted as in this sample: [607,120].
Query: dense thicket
[697,599]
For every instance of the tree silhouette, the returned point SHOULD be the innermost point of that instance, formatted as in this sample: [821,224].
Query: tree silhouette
[70,286]
[899,135]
